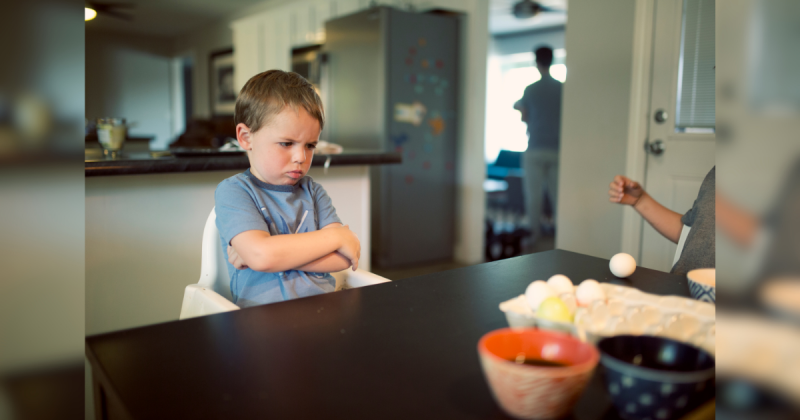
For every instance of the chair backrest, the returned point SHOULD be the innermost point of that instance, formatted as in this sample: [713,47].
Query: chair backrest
[213,262]
[681,243]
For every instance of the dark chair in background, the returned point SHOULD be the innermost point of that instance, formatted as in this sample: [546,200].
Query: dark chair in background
[206,133]
[505,207]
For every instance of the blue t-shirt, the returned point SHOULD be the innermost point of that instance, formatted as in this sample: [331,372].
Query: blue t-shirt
[542,102]
[243,202]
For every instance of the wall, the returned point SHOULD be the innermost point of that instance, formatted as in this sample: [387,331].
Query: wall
[128,76]
[594,124]
[198,45]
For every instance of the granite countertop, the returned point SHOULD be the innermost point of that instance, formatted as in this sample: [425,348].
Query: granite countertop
[154,162]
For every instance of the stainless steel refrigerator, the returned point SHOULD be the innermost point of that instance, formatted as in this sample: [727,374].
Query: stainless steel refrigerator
[392,79]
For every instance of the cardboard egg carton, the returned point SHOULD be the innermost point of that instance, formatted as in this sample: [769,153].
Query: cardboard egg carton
[627,310]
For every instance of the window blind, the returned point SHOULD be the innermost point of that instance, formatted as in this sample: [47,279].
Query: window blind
[696,91]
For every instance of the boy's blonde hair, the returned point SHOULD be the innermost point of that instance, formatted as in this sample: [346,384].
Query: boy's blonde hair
[266,94]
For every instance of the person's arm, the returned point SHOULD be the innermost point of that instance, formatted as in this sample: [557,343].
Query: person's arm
[664,220]
[260,251]
[736,222]
[667,222]
[330,263]
[523,112]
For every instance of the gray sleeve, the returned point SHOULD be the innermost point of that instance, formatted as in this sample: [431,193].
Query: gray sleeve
[236,211]
[323,206]
[689,216]
[704,203]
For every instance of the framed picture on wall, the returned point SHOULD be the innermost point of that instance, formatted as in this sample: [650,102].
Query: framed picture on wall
[222,92]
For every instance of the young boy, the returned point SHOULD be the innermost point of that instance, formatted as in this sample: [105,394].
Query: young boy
[280,228]
[699,250]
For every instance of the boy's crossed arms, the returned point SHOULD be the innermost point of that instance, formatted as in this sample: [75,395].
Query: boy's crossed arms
[333,248]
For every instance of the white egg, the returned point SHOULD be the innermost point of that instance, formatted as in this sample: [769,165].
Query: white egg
[589,291]
[622,265]
[561,284]
[570,301]
[537,292]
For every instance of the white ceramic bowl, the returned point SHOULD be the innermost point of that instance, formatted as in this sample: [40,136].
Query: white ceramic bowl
[703,284]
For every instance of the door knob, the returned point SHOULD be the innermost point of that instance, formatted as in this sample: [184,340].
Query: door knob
[656,148]
[661,116]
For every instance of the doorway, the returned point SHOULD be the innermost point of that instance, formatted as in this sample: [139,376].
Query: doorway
[512,68]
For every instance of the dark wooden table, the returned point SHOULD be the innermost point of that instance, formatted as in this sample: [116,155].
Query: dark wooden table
[399,350]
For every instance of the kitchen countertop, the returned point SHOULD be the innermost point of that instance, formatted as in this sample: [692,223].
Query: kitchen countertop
[154,162]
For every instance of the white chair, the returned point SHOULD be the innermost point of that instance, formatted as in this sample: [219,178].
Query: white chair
[212,293]
[681,243]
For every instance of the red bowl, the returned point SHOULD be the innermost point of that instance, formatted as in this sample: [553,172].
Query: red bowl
[536,392]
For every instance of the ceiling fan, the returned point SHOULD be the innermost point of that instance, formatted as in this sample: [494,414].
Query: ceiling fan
[528,8]
[93,9]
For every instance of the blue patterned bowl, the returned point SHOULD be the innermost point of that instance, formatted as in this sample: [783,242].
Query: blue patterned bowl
[702,284]
[654,377]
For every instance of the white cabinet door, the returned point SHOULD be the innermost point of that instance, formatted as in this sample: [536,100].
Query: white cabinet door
[321,11]
[301,24]
[247,51]
[344,7]
[276,41]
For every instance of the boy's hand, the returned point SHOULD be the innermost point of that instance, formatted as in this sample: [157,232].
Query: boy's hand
[624,191]
[351,247]
[235,259]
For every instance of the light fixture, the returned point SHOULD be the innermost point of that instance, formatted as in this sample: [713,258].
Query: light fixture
[89,13]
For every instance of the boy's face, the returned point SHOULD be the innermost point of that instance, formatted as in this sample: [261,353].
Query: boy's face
[281,152]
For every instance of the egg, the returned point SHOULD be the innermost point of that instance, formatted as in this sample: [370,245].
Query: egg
[622,265]
[570,301]
[537,292]
[561,284]
[589,291]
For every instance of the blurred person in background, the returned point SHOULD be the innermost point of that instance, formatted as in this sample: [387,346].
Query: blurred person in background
[540,107]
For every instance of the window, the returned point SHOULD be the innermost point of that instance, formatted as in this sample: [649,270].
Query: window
[696,92]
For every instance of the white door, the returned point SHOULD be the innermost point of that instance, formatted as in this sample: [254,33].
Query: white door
[678,158]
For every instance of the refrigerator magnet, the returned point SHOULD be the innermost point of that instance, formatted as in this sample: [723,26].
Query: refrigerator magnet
[412,113]
[399,139]
[437,125]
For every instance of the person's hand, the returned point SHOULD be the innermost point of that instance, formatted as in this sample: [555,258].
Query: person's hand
[623,190]
[351,247]
[235,260]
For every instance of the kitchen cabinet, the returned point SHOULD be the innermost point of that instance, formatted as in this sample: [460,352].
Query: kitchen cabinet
[247,46]
[265,41]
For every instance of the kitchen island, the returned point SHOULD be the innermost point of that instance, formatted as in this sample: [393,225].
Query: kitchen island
[154,162]
[145,214]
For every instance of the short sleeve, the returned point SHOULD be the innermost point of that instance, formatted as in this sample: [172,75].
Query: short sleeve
[688,218]
[325,212]
[236,210]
